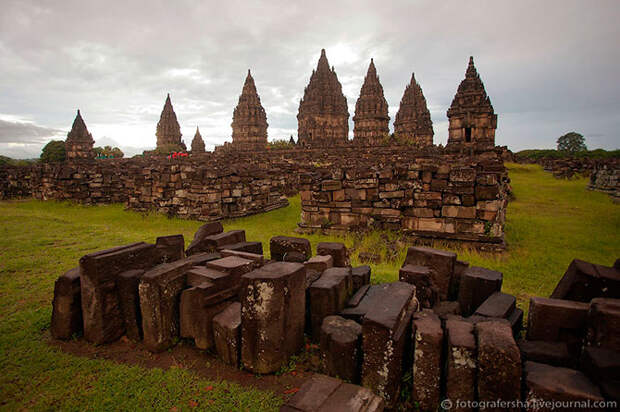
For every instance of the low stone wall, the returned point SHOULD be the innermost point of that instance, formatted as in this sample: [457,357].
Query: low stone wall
[606,178]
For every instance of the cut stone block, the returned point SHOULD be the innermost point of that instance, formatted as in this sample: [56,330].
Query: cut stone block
[461,361]
[328,296]
[319,263]
[212,242]
[603,324]
[234,266]
[476,285]
[447,309]
[67,306]
[499,362]
[440,263]
[200,259]
[373,297]
[421,278]
[227,334]
[295,257]
[272,315]
[103,320]
[516,321]
[128,284]
[552,383]
[208,229]
[386,333]
[160,290]
[555,320]
[197,275]
[358,296]
[459,268]
[341,348]
[584,281]
[247,247]
[312,394]
[280,246]
[498,305]
[551,353]
[170,248]
[258,260]
[361,276]
[336,250]
[600,364]
[427,363]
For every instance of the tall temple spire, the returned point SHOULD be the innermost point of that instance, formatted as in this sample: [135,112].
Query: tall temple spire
[198,145]
[249,125]
[168,130]
[371,111]
[413,123]
[471,115]
[79,143]
[323,116]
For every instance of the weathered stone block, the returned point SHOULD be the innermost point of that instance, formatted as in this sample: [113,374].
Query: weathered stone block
[341,348]
[258,260]
[212,242]
[127,284]
[440,263]
[170,248]
[67,306]
[461,361]
[360,276]
[600,364]
[328,296]
[200,259]
[338,251]
[319,263]
[204,231]
[551,353]
[249,247]
[498,305]
[227,334]
[272,315]
[557,320]
[476,285]
[280,246]
[585,281]
[234,266]
[459,268]
[427,363]
[420,277]
[363,301]
[603,324]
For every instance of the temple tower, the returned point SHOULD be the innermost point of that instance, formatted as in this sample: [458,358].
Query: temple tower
[168,130]
[413,123]
[249,125]
[371,118]
[323,117]
[471,115]
[79,143]
[198,145]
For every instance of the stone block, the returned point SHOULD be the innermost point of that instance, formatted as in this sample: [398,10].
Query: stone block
[272,315]
[460,361]
[447,309]
[363,301]
[280,246]
[234,267]
[421,278]
[552,383]
[328,296]
[476,285]
[212,242]
[386,333]
[360,276]
[170,248]
[603,324]
[160,291]
[338,251]
[248,247]
[459,268]
[427,362]
[206,230]
[440,263]
[556,320]
[258,260]
[341,348]
[227,334]
[498,305]
[67,306]
[551,353]
[127,284]
[200,259]
[600,364]
[499,362]
[585,281]
[319,263]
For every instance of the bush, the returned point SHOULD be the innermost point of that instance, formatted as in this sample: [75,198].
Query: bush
[54,151]
[108,152]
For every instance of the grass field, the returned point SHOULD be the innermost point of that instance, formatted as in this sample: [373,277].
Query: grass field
[549,223]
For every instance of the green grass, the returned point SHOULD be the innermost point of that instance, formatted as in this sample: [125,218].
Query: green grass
[549,223]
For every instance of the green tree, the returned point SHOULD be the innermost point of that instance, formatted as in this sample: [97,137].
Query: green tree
[109,152]
[54,151]
[572,143]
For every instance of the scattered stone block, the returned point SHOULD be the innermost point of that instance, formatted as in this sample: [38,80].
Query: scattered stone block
[200,259]
[499,362]
[295,257]
[336,250]
[170,248]
[213,242]
[204,231]
[328,296]
[358,296]
[361,276]
[603,324]
[197,275]
[461,361]
[67,305]
[459,268]
[386,333]
[440,263]
[128,284]
[516,321]
[556,320]
[341,348]
[498,305]
[584,281]
[551,353]
[552,383]
[280,246]
[258,260]
[234,267]
[160,291]
[227,334]
[476,285]
[600,364]
[312,394]
[248,247]
[421,278]
[272,315]
[427,363]
[361,303]
[447,309]
[319,263]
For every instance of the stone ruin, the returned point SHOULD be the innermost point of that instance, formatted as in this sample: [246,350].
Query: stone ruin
[371,118]
[168,130]
[444,323]
[79,143]
[249,125]
[198,145]
[413,122]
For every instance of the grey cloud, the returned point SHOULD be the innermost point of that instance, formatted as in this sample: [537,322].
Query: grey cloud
[26,133]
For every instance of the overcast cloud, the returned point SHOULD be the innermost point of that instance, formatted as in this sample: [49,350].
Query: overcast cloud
[549,67]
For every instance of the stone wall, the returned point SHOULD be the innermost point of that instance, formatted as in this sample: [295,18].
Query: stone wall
[606,178]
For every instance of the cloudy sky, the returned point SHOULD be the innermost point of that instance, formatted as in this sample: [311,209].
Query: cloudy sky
[550,67]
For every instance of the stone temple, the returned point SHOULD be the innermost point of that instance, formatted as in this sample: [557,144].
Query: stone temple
[413,122]
[198,145]
[371,112]
[323,117]
[79,143]
[471,115]
[168,130]
[249,125]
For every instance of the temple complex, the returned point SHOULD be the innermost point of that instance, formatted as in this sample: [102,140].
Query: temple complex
[371,112]
[323,117]
[249,125]
[79,143]
[413,123]
[198,145]
[471,115]
[168,130]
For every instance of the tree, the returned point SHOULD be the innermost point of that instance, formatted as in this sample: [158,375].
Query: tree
[572,142]
[109,152]
[54,151]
